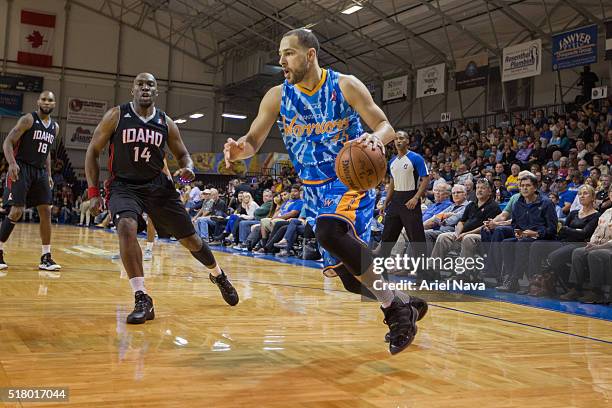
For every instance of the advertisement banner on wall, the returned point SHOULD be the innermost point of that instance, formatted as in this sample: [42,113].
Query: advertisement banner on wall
[78,136]
[522,60]
[11,102]
[574,48]
[86,110]
[471,72]
[395,89]
[431,80]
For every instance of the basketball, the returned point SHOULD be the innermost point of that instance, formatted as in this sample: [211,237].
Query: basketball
[360,168]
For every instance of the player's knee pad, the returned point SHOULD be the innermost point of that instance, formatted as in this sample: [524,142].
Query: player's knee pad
[329,230]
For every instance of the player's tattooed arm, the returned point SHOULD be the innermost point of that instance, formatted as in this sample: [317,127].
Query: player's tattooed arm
[178,149]
[249,144]
[358,96]
[23,125]
[100,139]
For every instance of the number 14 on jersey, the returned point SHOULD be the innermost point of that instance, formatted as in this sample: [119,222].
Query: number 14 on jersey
[144,154]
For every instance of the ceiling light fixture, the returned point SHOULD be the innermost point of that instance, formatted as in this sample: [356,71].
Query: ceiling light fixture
[233,116]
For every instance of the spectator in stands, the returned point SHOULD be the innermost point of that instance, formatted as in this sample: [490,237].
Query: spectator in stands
[512,180]
[84,210]
[448,174]
[215,217]
[290,209]
[245,211]
[592,262]
[441,200]
[533,218]
[446,220]
[500,172]
[469,189]
[261,212]
[466,236]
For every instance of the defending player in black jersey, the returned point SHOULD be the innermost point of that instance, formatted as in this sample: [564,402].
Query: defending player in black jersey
[29,183]
[137,133]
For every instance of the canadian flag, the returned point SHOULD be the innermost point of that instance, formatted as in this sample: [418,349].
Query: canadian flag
[36,42]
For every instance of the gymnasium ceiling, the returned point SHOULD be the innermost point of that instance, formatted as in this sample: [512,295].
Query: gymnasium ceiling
[384,38]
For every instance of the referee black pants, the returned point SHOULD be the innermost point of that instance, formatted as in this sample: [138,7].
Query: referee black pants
[399,217]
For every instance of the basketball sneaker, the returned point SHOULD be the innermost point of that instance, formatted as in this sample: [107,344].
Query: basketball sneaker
[225,287]
[3,264]
[147,255]
[420,305]
[143,309]
[401,319]
[47,264]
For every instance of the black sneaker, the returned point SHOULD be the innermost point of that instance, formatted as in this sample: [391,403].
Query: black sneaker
[47,264]
[143,309]
[420,305]
[3,264]
[401,319]
[225,287]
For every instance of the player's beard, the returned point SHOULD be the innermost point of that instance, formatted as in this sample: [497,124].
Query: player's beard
[46,111]
[297,75]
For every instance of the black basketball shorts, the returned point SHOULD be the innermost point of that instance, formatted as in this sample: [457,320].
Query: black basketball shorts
[30,190]
[158,199]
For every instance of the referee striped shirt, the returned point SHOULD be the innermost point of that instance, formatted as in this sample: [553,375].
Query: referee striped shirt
[406,171]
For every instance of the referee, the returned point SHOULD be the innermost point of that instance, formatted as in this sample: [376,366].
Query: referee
[403,203]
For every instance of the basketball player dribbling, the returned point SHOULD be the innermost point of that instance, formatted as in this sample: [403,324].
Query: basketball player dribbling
[319,111]
[27,149]
[138,133]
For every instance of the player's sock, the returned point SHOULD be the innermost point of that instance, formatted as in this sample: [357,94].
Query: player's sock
[6,228]
[149,246]
[46,249]
[137,284]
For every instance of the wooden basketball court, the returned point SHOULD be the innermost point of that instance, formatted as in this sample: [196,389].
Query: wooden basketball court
[295,340]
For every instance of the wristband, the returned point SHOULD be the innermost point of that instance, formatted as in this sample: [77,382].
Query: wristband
[93,192]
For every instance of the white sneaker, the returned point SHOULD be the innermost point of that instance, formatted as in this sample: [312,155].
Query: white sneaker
[148,255]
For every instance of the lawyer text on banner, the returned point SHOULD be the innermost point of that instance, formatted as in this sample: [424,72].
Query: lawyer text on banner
[471,71]
[609,40]
[85,110]
[395,89]
[78,136]
[574,48]
[36,42]
[431,80]
[522,60]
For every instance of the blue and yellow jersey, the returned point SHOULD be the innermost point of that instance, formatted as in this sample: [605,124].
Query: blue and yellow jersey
[315,125]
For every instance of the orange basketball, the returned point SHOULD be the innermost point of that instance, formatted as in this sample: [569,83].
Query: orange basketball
[360,168]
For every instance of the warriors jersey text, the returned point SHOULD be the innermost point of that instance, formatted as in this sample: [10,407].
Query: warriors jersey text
[315,125]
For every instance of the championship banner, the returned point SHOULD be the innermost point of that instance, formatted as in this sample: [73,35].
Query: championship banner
[574,48]
[78,136]
[395,89]
[522,60]
[431,80]
[609,40]
[36,41]
[471,72]
[86,110]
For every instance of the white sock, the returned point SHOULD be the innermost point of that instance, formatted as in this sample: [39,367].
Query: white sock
[149,246]
[46,249]
[216,271]
[137,284]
